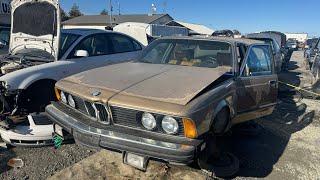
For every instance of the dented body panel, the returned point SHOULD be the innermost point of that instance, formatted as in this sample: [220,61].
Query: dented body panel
[180,91]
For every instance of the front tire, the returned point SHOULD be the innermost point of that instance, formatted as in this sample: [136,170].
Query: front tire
[211,159]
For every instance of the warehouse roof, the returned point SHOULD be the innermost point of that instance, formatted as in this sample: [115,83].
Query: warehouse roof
[116,19]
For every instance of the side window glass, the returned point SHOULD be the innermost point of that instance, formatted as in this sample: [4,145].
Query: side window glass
[101,45]
[258,62]
[86,44]
[5,36]
[123,44]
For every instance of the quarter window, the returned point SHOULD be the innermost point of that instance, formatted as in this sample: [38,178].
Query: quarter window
[259,61]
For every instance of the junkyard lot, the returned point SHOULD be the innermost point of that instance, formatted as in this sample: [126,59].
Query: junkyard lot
[287,147]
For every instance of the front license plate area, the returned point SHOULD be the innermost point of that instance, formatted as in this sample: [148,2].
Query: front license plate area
[137,161]
[58,130]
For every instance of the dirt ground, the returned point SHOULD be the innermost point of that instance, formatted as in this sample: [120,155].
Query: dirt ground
[286,145]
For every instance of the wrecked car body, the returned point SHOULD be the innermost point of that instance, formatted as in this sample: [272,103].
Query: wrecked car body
[30,89]
[35,33]
[40,54]
[169,103]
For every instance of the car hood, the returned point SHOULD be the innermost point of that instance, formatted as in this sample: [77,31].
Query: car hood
[35,25]
[156,82]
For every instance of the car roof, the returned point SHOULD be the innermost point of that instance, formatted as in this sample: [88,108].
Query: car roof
[85,31]
[225,39]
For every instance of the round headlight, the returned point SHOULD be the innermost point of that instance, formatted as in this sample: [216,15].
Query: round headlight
[148,121]
[71,101]
[63,97]
[170,125]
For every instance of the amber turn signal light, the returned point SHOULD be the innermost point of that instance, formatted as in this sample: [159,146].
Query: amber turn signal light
[190,130]
[57,92]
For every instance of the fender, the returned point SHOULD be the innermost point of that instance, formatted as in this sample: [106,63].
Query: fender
[222,104]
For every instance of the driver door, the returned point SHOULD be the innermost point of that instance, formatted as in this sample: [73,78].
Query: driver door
[257,85]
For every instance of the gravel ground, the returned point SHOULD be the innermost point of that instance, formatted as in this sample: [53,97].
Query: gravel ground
[40,163]
[287,146]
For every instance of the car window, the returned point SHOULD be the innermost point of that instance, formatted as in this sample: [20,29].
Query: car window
[5,36]
[66,40]
[123,44]
[259,61]
[209,54]
[95,45]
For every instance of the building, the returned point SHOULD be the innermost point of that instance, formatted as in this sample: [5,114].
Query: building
[193,28]
[301,37]
[103,21]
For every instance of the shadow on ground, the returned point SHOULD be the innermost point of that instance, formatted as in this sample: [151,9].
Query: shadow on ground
[259,144]
[5,156]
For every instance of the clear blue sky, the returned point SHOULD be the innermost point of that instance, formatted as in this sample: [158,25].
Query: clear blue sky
[244,15]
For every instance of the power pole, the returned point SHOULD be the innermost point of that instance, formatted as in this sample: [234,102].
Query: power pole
[111,9]
[119,8]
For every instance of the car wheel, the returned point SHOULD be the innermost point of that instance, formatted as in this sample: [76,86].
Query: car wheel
[215,163]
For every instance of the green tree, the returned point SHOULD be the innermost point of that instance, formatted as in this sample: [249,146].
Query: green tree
[104,12]
[75,11]
[64,15]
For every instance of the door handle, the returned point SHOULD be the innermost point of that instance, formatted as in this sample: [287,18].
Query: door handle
[273,83]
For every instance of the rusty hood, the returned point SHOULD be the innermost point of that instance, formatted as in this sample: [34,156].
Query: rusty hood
[156,82]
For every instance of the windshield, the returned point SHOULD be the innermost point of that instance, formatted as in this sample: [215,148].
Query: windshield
[66,40]
[198,53]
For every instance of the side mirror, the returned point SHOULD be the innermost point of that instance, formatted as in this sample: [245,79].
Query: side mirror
[81,53]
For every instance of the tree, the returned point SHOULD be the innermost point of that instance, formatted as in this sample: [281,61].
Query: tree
[75,11]
[64,15]
[104,12]
[236,32]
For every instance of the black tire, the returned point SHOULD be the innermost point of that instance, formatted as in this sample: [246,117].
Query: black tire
[216,163]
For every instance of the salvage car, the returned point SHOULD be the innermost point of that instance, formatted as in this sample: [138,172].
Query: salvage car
[30,89]
[171,102]
[310,54]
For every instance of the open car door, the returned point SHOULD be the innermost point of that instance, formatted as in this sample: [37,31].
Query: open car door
[257,84]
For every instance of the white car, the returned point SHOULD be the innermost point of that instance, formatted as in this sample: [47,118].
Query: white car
[27,87]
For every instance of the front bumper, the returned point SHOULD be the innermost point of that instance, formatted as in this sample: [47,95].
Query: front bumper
[122,140]
[28,135]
